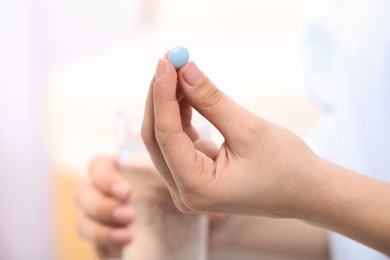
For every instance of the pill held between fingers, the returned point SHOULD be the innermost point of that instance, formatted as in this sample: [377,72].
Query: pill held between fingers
[179,56]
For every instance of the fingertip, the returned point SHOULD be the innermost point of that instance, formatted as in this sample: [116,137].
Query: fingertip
[99,161]
[120,190]
[123,214]
[104,173]
[192,75]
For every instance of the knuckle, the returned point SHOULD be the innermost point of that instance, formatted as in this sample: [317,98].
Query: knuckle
[254,127]
[90,202]
[196,193]
[182,207]
[147,136]
[212,96]
[103,172]
[101,236]
[200,198]
[193,201]
[90,230]
[96,209]
[101,211]
[161,137]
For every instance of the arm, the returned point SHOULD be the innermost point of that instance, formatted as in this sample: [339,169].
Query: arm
[351,204]
[261,236]
[152,210]
[261,169]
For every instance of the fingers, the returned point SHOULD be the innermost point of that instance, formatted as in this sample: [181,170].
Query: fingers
[226,115]
[207,147]
[101,234]
[216,217]
[176,146]
[105,175]
[101,207]
[166,106]
[105,252]
[149,139]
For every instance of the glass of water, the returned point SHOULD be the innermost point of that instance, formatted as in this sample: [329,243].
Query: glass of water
[134,162]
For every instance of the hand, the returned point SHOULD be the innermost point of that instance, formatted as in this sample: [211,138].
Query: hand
[105,213]
[153,195]
[257,170]
[260,169]
[156,226]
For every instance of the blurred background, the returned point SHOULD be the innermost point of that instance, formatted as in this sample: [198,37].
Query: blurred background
[319,68]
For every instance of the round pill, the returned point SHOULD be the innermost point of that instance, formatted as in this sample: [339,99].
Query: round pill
[179,56]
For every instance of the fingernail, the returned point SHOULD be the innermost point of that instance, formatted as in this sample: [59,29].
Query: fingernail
[160,68]
[123,214]
[120,190]
[192,75]
[121,235]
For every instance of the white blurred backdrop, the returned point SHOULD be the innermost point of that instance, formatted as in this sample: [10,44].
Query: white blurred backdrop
[67,66]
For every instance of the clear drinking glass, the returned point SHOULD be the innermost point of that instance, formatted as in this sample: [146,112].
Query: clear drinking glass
[133,158]
[134,162]
[131,149]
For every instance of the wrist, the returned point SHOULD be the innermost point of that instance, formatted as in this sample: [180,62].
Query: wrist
[311,192]
[348,203]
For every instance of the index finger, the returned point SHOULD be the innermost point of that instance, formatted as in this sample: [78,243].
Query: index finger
[105,175]
[182,158]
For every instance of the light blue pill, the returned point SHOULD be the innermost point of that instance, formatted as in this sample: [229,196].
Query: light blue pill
[179,56]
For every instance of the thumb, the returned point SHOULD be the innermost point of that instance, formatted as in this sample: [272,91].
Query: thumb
[225,114]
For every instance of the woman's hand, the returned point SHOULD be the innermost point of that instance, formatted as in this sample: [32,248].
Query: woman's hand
[260,169]
[105,212]
[256,171]
[132,206]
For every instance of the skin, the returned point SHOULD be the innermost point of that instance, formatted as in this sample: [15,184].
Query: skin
[147,218]
[109,191]
[261,169]
[151,214]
